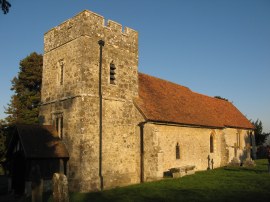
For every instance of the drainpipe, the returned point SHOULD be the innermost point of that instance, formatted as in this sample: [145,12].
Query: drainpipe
[101,44]
[141,125]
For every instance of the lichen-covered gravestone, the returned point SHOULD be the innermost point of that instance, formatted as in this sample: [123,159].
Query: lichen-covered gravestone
[60,188]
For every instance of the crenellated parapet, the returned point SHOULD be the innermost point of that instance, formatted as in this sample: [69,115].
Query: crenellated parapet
[92,25]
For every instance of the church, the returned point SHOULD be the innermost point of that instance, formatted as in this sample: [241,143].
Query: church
[120,126]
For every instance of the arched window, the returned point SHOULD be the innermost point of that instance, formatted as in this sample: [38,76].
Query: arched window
[211,144]
[177,151]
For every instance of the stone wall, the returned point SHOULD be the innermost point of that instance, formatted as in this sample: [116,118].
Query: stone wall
[121,150]
[160,147]
[80,134]
[194,144]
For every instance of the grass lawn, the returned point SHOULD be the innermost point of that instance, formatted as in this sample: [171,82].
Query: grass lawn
[223,184]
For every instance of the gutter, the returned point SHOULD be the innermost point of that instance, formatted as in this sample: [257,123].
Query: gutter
[167,123]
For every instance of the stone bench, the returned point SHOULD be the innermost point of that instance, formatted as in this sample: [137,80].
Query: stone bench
[182,171]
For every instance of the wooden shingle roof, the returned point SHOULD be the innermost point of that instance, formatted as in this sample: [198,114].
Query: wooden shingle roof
[164,101]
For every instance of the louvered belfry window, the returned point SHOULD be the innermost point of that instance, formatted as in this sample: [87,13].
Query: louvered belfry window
[112,73]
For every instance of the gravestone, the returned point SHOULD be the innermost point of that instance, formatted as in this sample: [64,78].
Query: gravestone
[248,162]
[212,164]
[60,188]
[209,159]
[235,161]
[36,184]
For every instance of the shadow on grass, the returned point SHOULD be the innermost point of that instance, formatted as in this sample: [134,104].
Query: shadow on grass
[231,184]
[185,195]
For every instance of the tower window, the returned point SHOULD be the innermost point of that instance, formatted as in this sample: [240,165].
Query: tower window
[59,124]
[211,144]
[177,151]
[112,73]
[61,72]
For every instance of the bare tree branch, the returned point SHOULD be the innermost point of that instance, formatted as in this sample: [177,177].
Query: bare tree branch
[5,5]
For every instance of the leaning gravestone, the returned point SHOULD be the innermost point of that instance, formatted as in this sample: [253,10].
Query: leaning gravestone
[60,188]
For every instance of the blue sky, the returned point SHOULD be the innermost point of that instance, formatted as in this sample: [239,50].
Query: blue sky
[213,47]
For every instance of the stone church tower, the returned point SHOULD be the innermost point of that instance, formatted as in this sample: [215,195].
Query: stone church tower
[90,70]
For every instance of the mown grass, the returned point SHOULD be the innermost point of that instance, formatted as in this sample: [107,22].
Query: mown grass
[223,184]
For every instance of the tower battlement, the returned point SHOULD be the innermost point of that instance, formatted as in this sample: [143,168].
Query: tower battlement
[90,24]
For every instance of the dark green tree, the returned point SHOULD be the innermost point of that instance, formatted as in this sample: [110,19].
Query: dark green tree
[24,105]
[260,136]
[3,144]
[5,5]
[5,136]
[2,138]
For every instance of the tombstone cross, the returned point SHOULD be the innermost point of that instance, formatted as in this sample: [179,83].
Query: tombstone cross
[235,149]
[248,148]
[212,163]
[208,158]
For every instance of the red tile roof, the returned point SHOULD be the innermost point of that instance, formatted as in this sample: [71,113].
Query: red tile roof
[164,101]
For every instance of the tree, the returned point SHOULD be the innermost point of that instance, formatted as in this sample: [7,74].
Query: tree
[5,5]
[3,144]
[2,139]
[24,105]
[260,136]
